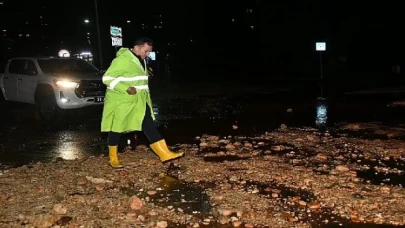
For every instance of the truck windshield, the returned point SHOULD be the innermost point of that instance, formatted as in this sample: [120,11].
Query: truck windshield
[49,66]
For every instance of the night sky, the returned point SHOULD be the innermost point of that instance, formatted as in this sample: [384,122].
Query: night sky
[220,39]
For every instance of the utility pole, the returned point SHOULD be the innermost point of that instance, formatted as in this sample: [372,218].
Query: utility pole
[98,36]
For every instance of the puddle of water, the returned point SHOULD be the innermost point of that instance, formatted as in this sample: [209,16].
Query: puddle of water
[47,146]
[379,178]
[283,191]
[225,158]
[378,170]
[365,134]
[177,195]
[289,197]
[188,197]
[63,221]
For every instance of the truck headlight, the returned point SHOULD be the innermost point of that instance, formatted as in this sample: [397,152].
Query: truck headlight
[65,84]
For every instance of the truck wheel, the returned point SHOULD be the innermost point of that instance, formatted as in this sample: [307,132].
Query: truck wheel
[48,109]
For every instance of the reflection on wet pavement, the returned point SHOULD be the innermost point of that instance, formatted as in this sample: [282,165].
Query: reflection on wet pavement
[321,113]
[24,138]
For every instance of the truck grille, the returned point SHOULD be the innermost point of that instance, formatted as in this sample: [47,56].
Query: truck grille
[90,88]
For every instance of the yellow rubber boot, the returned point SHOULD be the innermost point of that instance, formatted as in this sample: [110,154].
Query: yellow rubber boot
[160,148]
[114,162]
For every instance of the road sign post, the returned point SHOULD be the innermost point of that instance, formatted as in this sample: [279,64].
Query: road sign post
[320,47]
[116,36]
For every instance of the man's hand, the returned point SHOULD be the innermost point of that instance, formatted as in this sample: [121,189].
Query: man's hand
[131,91]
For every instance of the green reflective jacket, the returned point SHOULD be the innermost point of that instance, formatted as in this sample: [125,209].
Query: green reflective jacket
[123,112]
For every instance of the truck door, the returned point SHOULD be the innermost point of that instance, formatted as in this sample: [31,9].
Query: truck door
[27,83]
[10,79]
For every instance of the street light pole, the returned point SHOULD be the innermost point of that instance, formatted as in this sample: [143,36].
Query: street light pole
[98,36]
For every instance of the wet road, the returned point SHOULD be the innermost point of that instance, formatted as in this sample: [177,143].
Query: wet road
[24,138]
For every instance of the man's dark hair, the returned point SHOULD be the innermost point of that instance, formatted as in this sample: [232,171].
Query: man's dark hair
[143,40]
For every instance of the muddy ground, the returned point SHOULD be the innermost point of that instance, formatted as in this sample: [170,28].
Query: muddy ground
[289,177]
[250,162]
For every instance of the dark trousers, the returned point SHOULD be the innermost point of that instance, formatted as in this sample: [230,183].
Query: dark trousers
[148,127]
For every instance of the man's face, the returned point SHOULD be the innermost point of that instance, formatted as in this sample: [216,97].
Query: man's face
[143,50]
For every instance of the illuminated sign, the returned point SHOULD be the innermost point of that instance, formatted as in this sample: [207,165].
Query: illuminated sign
[116,41]
[116,36]
[115,31]
[152,55]
[320,46]
[64,53]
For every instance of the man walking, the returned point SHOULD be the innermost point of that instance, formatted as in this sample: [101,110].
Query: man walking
[127,105]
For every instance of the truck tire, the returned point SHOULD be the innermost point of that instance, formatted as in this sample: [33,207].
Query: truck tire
[46,103]
[48,109]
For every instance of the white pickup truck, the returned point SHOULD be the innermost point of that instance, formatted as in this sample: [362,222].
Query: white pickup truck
[53,84]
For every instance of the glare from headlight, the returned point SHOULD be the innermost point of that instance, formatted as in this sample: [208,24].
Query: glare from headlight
[65,84]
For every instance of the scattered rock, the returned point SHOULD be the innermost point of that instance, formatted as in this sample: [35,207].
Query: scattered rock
[135,203]
[59,209]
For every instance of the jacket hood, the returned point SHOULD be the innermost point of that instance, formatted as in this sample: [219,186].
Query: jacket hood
[124,53]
